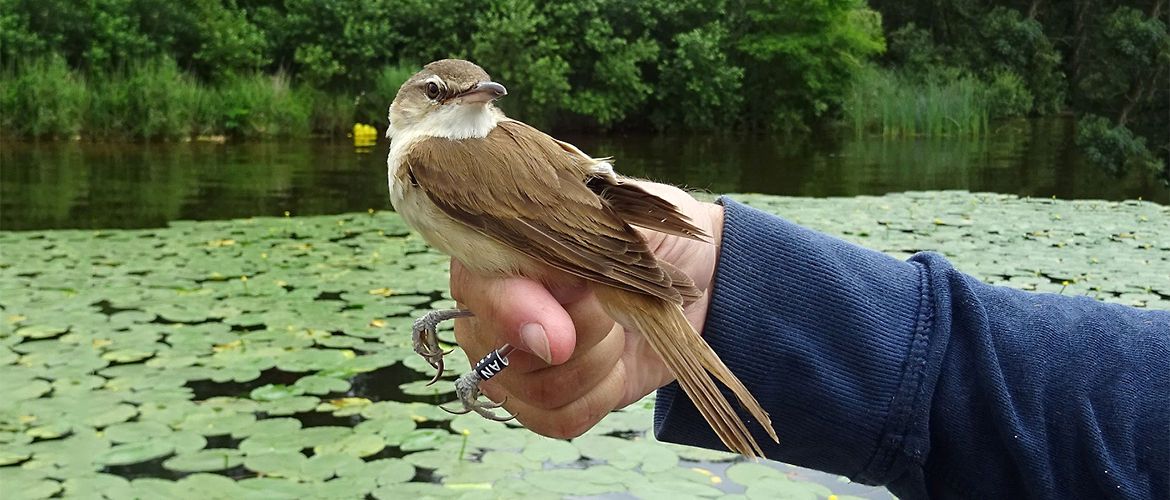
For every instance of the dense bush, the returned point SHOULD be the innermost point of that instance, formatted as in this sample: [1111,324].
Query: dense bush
[769,64]
[1007,95]
[1114,148]
[43,99]
[1013,44]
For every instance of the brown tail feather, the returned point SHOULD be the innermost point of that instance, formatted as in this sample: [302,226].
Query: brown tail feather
[690,359]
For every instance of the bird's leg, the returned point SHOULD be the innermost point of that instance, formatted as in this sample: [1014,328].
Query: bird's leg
[467,386]
[426,339]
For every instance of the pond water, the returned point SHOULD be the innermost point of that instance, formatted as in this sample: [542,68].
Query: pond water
[81,185]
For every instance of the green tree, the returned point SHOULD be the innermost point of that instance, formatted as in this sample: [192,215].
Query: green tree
[228,42]
[699,86]
[1016,44]
[800,55]
[330,44]
[507,40]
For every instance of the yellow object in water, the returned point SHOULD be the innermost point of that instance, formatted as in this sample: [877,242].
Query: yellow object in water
[364,135]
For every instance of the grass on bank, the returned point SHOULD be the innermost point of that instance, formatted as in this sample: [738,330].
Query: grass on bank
[158,101]
[893,105]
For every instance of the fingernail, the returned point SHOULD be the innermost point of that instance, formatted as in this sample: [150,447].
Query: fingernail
[535,341]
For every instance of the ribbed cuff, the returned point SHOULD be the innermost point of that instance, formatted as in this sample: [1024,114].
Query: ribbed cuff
[830,337]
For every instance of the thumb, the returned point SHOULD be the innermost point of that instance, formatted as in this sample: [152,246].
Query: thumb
[522,311]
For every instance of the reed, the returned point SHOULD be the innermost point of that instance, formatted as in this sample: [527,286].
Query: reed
[41,98]
[883,102]
[262,106]
[156,100]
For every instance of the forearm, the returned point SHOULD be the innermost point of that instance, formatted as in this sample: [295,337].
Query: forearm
[855,356]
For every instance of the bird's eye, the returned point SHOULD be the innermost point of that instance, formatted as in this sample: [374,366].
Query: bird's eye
[432,90]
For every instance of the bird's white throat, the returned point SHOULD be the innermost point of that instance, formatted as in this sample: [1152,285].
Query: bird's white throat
[452,121]
[455,122]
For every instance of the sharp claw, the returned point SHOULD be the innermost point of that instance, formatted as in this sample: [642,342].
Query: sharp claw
[492,416]
[493,405]
[438,374]
[455,412]
[448,351]
[426,338]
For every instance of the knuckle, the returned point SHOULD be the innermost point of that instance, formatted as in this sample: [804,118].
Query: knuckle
[557,386]
[542,394]
[457,281]
[571,425]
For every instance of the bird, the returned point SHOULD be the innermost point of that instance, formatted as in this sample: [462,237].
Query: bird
[506,199]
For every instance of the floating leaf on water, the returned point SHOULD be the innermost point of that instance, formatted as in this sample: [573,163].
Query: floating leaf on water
[132,453]
[625,454]
[422,439]
[187,442]
[13,454]
[131,432]
[313,384]
[315,436]
[279,463]
[415,490]
[674,490]
[31,390]
[205,460]
[780,487]
[542,449]
[98,485]
[420,388]
[577,482]
[41,331]
[274,488]
[26,486]
[330,464]
[273,392]
[344,487]
[203,485]
[392,430]
[269,426]
[344,407]
[392,471]
[50,431]
[214,424]
[306,308]
[289,405]
[358,445]
[103,417]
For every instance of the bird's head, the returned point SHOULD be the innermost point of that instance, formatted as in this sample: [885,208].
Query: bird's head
[449,98]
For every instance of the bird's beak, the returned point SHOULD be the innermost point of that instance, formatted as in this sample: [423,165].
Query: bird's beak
[483,92]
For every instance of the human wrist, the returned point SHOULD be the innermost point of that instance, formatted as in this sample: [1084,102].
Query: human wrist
[715,215]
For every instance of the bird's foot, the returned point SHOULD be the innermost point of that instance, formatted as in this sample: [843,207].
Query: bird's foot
[426,338]
[467,386]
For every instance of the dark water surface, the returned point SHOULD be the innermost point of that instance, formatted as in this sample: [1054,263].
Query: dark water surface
[81,185]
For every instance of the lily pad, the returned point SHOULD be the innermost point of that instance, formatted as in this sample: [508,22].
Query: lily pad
[358,445]
[126,347]
[205,460]
[132,453]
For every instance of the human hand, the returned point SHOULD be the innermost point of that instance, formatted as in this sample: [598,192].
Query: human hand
[575,364]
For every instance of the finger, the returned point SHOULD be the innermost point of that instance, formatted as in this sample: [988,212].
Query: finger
[574,418]
[524,312]
[477,337]
[559,385]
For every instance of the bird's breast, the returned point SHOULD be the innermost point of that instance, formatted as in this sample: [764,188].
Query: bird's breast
[476,251]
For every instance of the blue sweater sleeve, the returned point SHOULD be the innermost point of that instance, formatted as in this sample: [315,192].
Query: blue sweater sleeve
[915,376]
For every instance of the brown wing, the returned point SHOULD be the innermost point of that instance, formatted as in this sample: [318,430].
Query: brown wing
[520,187]
[642,209]
[635,205]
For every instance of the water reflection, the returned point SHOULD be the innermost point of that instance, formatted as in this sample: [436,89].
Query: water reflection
[69,185]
